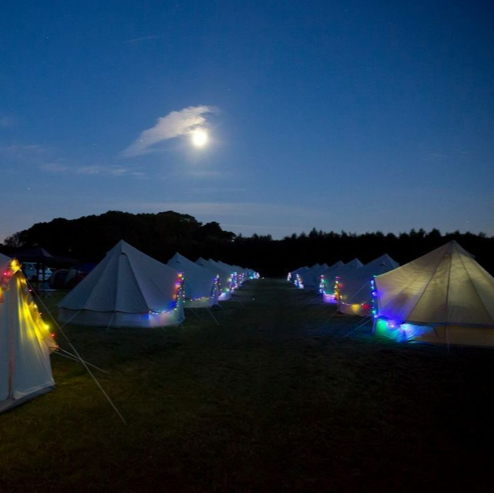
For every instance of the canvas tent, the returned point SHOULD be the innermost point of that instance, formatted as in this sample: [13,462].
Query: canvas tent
[354,286]
[225,277]
[201,286]
[294,276]
[25,341]
[329,277]
[232,271]
[311,278]
[126,289]
[444,296]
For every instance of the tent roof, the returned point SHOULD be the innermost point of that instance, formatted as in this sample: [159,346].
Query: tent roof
[332,269]
[378,266]
[312,277]
[340,268]
[41,255]
[127,281]
[213,266]
[299,270]
[354,281]
[444,287]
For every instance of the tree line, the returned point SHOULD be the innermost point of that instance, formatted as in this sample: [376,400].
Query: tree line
[160,235]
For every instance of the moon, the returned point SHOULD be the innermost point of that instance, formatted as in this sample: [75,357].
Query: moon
[199,138]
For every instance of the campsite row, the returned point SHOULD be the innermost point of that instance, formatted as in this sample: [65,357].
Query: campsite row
[444,296]
[126,289]
[130,289]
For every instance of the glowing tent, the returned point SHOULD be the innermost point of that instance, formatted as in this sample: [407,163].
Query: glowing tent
[232,271]
[201,286]
[295,276]
[126,289]
[25,341]
[354,286]
[311,278]
[226,280]
[330,275]
[444,296]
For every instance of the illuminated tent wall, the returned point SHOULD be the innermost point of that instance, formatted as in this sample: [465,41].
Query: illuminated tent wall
[252,274]
[311,278]
[444,296]
[225,277]
[354,286]
[201,286]
[294,276]
[291,274]
[126,289]
[241,274]
[329,278]
[232,271]
[25,342]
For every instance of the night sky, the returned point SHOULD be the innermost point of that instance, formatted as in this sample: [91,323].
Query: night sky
[354,115]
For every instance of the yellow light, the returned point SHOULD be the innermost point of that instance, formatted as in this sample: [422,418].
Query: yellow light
[199,138]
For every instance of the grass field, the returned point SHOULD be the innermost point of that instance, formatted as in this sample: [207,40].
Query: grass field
[276,398]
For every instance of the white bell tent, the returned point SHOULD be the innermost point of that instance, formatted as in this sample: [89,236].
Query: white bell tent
[311,278]
[354,286]
[294,276]
[225,277]
[232,271]
[329,277]
[126,289]
[201,286]
[444,296]
[25,341]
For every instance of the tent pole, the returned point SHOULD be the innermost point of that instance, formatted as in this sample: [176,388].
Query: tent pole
[214,318]
[194,312]
[66,354]
[78,356]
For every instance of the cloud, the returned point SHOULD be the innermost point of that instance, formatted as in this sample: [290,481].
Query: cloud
[173,125]
[20,149]
[23,154]
[60,168]
[54,167]
[237,210]
[7,121]
[144,38]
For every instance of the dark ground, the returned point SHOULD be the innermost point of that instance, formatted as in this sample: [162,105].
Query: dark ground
[277,398]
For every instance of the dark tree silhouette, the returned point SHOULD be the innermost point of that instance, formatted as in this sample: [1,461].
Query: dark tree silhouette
[161,235]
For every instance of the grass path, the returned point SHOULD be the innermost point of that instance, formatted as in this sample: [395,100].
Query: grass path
[273,399]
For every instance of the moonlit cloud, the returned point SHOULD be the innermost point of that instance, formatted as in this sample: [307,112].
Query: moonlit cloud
[54,167]
[173,125]
[143,38]
[6,122]
[60,168]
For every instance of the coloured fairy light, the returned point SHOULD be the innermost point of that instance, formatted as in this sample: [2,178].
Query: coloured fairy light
[216,286]
[178,296]
[29,309]
[337,288]
[374,297]
[322,284]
